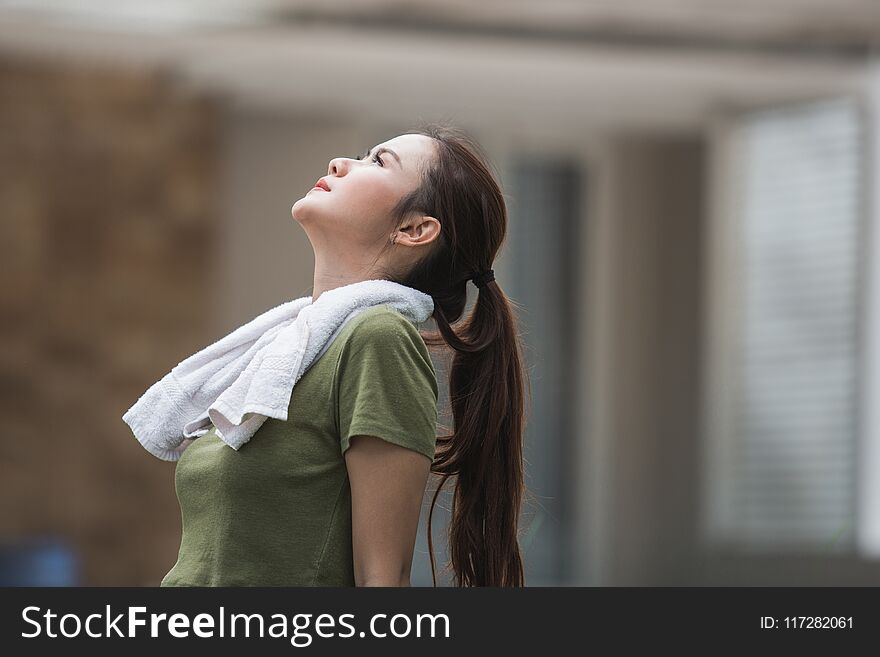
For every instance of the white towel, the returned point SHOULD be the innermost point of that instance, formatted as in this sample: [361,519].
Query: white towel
[248,376]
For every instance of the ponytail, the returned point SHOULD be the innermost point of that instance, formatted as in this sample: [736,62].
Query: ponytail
[484,453]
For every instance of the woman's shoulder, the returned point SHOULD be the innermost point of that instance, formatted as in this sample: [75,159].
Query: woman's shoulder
[382,319]
[382,328]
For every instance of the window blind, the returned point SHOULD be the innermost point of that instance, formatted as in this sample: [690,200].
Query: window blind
[791,285]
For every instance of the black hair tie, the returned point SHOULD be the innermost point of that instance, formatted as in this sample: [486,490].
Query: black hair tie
[482,278]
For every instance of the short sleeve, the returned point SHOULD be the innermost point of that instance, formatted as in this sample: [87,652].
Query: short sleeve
[386,384]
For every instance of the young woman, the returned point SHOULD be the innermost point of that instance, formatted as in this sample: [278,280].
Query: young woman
[332,496]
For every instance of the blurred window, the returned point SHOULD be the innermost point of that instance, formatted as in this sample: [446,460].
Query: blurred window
[542,278]
[785,347]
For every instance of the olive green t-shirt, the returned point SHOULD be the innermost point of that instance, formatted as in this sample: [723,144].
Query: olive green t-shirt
[277,512]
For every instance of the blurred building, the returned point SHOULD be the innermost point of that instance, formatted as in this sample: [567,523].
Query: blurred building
[694,198]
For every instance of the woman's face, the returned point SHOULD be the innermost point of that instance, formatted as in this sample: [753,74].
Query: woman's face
[353,218]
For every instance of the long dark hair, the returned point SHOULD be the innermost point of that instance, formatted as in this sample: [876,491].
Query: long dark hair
[484,452]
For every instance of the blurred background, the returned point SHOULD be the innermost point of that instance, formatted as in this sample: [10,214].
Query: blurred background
[694,200]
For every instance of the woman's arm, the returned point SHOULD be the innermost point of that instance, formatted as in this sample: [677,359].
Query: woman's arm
[387,487]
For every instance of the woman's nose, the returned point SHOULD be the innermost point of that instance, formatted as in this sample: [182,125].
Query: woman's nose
[338,165]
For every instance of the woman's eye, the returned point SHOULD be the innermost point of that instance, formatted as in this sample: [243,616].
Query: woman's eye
[375,159]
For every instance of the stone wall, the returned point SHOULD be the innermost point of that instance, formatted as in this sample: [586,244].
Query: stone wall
[108,224]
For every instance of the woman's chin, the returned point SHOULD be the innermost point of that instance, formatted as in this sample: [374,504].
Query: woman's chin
[297,210]
[303,214]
